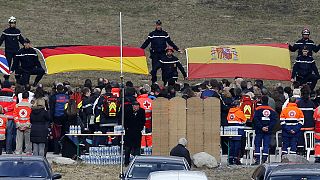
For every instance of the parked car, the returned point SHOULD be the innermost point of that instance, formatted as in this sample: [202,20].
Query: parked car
[142,166]
[263,170]
[295,171]
[26,167]
[177,175]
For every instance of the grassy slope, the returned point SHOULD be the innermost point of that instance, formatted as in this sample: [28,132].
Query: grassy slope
[190,23]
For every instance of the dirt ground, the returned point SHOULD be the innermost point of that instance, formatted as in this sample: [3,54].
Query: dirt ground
[82,171]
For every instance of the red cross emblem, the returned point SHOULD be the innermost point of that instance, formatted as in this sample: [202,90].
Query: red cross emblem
[23,113]
[146,104]
[266,113]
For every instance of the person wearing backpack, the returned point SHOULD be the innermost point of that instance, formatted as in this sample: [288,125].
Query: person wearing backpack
[107,111]
[247,105]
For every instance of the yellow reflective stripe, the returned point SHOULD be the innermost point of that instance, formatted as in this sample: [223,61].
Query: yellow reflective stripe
[80,105]
[66,106]
[98,119]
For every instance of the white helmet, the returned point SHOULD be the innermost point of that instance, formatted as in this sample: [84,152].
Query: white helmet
[12,19]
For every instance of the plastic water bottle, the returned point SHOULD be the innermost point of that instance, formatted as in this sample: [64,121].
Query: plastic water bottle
[78,129]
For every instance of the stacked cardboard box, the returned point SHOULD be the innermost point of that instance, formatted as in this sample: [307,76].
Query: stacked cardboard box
[177,120]
[212,127]
[160,129]
[195,124]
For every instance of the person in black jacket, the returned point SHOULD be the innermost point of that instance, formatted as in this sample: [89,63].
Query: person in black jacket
[305,70]
[27,63]
[11,36]
[134,121]
[170,65]
[39,119]
[159,40]
[304,42]
[181,151]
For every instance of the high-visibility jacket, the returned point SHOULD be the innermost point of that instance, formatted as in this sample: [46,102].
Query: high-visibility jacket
[3,126]
[146,104]
[116,91]
[237,119]
[22,113]
[291,118]
[8,102]
[316,117]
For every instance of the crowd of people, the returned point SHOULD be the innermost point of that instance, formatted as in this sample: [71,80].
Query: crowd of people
[32,118]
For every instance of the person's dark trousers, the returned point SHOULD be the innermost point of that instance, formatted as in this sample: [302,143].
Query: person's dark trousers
[10,137]
[61,120]
[290,142]
[156,65]
[135,151]
[25,76]
[235,146]
[9,57]
[2,145]
[258,143]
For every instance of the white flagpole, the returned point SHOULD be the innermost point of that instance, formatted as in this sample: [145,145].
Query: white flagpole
[122,100]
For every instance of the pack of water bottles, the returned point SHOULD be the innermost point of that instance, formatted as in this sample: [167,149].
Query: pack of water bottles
[147,151]
[75,129]
[229,130]
[103,155]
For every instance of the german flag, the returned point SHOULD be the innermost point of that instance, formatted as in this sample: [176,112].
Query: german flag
[87,58]
[257,61]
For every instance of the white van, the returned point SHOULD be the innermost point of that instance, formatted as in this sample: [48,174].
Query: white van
[177,175]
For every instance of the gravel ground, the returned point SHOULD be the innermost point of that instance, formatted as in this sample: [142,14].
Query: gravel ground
[81,171]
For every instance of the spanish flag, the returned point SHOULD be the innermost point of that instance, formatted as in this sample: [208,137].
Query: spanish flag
[86,58]
[257,61]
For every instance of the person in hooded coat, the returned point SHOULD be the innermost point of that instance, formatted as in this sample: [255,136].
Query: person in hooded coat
[39,119]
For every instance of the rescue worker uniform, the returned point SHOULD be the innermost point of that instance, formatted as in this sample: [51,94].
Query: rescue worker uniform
[8,102]
[301,43]
[307,107]
[22,113]
[264,116]
[316,117]
[169,68]
[236,119]
[27,63]
[291,119]
[146,104]
[11,36]
[3,127]
[159,40]
[305,71]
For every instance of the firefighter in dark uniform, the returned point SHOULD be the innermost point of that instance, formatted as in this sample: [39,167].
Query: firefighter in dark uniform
[159,40]
[169,65]
[27,63]
[11,36]
[304,42]
[264,120]
[305,70]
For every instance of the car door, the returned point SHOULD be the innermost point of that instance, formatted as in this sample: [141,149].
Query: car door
[259,173]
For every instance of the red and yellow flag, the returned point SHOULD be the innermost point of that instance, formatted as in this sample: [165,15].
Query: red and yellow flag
[257,61]
[104,58]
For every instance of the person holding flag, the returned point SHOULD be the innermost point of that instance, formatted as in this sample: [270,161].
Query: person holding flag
[11,36]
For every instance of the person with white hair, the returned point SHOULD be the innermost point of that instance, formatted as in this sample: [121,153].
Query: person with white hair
[296,94]
[180,150]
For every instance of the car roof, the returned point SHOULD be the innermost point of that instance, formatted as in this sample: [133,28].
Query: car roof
[167,159]
[26,158]
[295,169]
[174,175]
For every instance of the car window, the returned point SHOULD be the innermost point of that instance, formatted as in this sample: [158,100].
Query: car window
[33,169]
[296,177]
[142,170]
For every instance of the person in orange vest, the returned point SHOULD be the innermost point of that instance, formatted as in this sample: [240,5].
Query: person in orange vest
[3,127]
[291,120]
[237,119]
[316,117]
[22,113]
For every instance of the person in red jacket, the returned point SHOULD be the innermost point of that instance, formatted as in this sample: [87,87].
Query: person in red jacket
[316,117]
[8,102]
[3,127]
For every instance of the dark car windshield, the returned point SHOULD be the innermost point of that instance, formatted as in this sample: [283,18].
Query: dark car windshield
[296,177]
[142,170]
[32,169]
